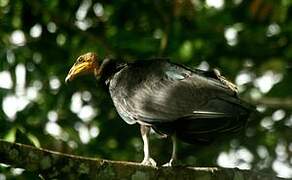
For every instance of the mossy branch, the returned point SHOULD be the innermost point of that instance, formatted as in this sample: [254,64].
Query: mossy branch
[55,165]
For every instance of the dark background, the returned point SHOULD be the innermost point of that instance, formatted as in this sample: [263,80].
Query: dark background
[248,41]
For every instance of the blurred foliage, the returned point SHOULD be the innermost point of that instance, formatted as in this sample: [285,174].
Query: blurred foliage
[249,41]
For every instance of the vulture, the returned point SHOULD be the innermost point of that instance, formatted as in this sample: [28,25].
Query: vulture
[191,105]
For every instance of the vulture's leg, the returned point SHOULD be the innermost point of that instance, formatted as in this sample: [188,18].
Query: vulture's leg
[173,160]
[145,136]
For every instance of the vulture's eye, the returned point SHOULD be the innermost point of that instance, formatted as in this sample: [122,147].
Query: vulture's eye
[81,60]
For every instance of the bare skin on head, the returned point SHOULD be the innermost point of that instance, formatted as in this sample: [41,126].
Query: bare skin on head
[85,64]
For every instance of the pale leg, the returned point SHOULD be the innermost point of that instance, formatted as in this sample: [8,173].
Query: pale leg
[145,136]
[173,160]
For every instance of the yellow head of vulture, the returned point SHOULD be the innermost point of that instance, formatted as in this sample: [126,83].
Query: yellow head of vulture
[85,64]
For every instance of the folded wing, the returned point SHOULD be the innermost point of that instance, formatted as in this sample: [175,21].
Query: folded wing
[173,98]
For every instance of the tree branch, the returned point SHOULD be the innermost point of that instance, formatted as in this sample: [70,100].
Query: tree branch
[52,164]
[273,102]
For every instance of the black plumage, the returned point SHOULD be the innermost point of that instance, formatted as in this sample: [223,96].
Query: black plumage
[196,105]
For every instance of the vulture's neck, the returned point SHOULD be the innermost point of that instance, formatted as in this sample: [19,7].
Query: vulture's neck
[108,68]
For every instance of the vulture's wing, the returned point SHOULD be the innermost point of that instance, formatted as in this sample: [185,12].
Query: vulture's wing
[161,92]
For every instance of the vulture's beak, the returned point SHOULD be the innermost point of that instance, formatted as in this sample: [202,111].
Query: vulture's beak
[78,69]
[75,71]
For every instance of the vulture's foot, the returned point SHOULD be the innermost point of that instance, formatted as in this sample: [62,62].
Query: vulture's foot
[171,163]
[149,162]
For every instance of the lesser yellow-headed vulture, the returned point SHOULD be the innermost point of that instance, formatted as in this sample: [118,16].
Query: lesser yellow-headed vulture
[187,104]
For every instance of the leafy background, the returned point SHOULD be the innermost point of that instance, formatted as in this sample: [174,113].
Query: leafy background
[249,41]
